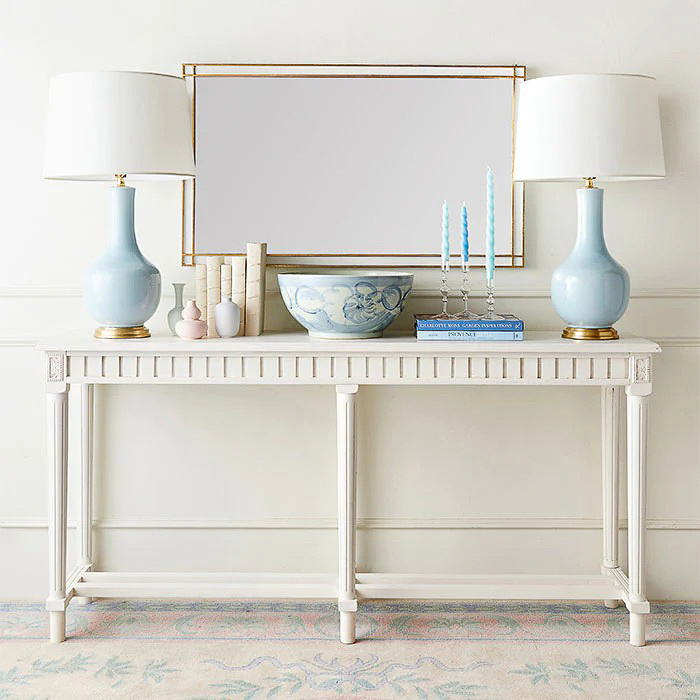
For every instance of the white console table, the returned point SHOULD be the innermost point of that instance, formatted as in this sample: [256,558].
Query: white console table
[543,359]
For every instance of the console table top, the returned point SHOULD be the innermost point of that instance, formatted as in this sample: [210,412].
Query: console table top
[539,342]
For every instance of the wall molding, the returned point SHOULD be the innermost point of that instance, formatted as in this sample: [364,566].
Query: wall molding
[465,523]
[641,293]
[40,292]
[17,342]
[66,292]
[679,342]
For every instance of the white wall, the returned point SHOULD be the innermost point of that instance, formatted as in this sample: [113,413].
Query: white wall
[510,480]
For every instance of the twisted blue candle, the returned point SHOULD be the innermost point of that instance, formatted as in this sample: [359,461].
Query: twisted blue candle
[490,238]
[465,238]
[445,237]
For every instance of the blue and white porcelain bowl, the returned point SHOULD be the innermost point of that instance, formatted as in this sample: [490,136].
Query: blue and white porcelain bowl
[337,306]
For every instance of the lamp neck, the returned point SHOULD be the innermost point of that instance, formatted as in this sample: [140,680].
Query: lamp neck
[122,233]
[589,237]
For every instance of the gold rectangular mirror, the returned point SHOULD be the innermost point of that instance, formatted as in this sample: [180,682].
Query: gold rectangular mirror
[348,165]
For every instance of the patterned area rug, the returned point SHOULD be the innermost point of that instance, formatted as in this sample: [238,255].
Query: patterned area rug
[265,650]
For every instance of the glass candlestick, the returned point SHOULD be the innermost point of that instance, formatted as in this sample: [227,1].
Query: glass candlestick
[464,289]
[490,302]
[444,293]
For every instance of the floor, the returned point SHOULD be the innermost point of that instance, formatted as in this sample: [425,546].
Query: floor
[425,650]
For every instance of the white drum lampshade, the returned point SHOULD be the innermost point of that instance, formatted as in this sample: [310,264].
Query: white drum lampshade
[113,126]
[116,122]
[578,126]
[589,127]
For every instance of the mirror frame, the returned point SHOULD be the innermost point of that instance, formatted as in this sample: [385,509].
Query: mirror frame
[191,72]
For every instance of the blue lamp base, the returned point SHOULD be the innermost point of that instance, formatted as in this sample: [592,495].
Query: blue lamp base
[590,290]
[121,288]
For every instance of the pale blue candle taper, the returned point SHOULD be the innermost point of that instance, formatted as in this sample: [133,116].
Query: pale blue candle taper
[465,238]
[490,247]
[465,313]
[445,260]
[490,234]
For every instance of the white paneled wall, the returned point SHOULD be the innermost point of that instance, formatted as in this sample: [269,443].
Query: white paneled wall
[455,479]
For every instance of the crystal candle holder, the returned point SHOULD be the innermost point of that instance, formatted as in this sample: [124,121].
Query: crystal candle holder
[491,314]
[444,293]
[464,289]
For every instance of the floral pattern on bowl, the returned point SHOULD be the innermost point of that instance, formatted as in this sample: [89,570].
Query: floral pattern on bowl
[345,306]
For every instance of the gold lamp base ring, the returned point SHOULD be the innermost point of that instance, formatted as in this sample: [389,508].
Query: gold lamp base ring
[121,332]
[574,333]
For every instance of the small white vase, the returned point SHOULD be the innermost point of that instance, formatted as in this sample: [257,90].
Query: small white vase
[227,318]
[175,314]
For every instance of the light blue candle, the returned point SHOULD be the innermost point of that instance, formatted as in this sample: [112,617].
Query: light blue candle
[465,238]
[445,237]
[490,234]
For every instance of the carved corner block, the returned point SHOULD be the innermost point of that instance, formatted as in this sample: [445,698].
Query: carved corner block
[642,369]
[55,372]
[640,375]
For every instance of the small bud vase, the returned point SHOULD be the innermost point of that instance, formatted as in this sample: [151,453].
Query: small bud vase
[191,327]
[227,317]
[175,314]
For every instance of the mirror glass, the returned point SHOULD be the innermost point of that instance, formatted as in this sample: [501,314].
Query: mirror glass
[351,168]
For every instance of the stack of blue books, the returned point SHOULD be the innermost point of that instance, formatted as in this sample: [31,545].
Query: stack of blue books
[507,327]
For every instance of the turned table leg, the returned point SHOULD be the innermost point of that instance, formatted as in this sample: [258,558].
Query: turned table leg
[57,452]
[611,480]
[347,488]
[636,512]
[87,412]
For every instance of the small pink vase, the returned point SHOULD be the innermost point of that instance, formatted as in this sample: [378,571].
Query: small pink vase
[191,327]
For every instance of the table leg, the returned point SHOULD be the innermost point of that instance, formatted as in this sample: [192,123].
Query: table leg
[636,510]
[611,480]
[347,489]
[87,398]
[57,449]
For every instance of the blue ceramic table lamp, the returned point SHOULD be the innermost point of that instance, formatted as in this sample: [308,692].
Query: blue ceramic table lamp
[589,128]
[107,126]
